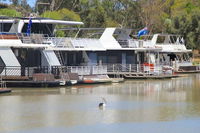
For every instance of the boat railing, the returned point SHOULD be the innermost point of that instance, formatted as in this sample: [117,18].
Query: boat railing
[18,71]
[35,39]
[145,69]
[28,39]
[78,43]
[87,70]
[175,43]
[148,69]
[85,43]
[134,43]
[10,71]
[61,42]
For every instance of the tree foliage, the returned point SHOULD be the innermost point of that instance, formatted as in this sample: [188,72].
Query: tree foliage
[10,12]
[185,16]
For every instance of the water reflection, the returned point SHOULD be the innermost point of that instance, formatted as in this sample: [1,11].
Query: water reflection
[134,101]
[169,89]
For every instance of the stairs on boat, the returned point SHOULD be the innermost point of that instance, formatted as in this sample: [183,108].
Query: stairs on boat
[59,56]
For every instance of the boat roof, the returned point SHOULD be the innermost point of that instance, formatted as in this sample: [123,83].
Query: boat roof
[4,19]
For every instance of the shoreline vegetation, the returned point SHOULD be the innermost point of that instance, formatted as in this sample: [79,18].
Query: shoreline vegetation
[196,57]
[170,16]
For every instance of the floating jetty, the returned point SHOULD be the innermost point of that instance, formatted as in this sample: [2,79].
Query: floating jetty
[188,69]
[187,72]
[117,80]
[130,76]
[33,83]
[95,79]
[5,90]
[134,75]
[37,80]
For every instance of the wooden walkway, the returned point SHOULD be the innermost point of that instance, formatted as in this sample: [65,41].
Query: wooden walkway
[15,78]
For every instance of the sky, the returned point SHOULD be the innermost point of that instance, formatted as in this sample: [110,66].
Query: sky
[30,2]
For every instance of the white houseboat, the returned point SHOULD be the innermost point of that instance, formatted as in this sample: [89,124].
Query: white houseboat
[109,51]
[22,55]
[114,48]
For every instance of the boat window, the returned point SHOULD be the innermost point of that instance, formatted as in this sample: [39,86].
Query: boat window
[5,27]
[39,28]
[186,57]
[160,39]
[178,57]
[172,57]
[173,39]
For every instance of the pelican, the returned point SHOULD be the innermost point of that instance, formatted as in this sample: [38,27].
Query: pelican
[103,103]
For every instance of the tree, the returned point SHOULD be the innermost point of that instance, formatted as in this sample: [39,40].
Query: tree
[153,14]
[185,16]
[62,14]
[10,12]
[49,4]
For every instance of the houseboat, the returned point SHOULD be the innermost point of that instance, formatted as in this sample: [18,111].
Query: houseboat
[114,49]
[41,58]
[27,58]
[174,53]
[156,56]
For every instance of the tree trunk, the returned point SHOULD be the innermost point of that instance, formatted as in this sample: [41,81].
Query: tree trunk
[52,6]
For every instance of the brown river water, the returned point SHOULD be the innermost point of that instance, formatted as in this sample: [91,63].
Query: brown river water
[135,106]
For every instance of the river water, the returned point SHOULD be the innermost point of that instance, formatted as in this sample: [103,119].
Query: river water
[135,106]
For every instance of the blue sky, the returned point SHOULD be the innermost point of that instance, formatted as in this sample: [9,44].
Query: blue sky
[30,2]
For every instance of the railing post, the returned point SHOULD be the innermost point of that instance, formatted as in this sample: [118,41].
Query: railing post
[5,71]
[129,67]
[82,70]
[28,71]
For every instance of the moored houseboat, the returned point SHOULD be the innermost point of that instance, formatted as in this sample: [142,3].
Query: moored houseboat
[24,56]
[114,49]
[110,51]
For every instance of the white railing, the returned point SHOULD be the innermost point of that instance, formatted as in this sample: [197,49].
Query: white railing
[32,38]
[10,71]
[87,70]
[78,43]
[89,43]
[133,43]
[61,42]
[140,68]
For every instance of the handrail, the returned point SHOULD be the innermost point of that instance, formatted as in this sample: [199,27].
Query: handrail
[149,69]
[33,38]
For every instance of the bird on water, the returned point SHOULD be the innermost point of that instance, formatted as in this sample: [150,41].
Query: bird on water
[103,103]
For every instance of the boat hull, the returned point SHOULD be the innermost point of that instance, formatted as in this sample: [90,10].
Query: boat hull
[4,90]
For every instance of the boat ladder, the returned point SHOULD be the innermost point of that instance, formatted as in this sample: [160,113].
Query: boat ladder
[59,56]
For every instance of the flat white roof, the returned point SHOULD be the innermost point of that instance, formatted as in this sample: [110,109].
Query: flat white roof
[48,21]
[177,51]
